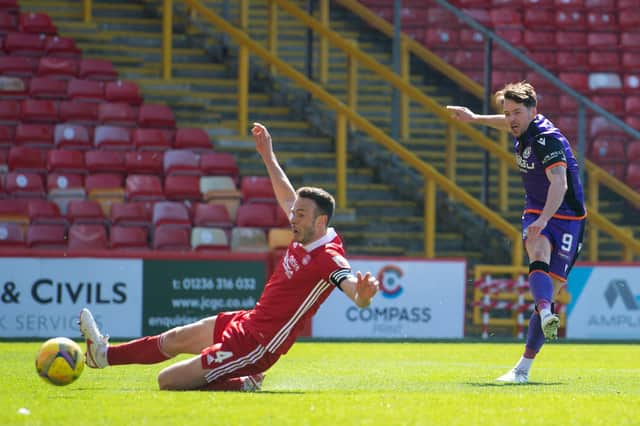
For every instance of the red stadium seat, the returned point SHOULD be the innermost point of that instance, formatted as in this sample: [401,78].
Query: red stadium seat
[540,18]
[37,23]
[633,121]
[112,138]
[24,185]
[512,35]
[631,61]
[54,67]
[600,60]
[612,103]
[569,40]
[72,136]
[256,215]
[7,135]
[633,152]
[45,212]
[97,69]
[8,22]
[62,47]
[16,90]
[629,19]
[85,211]
[47,88]
[158,116]
[632,104]
[24,44]
[572,60]
[9,112]
[469,37]
[182,187]
[219,164]
[87,237]
[171,238]
[633,176]
[66,161]
[79,113]
[38,111]
[602,20]
[85,90]
[569,4]
[600,4]
[34,135]
[630,40]
[64,187]
[123,91]
[14,211]
[600,127]
[543,58]
[117,114]
[150,139]
[105,162]
[195,139]
[181,162]
[442,37]
[129,237]
[104,184]
[602,40]
[170,213]
[282,217]
[574,19]
[41,236]
[212,215]
[257,189]
[144,188]
[607,150]
[144,162]
[11,235]
[130,214]
[577,80]
[503,16]
[17,66]
[28,160]
[209,239]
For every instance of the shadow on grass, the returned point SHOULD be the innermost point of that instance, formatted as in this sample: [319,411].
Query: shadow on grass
[499,385]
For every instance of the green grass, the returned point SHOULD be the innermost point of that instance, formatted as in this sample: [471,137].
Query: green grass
[347,384]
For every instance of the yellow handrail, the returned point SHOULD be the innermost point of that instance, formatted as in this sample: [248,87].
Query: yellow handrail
[378,135]
[87,11]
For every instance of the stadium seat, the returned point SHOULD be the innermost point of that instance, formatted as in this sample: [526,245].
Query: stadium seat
[630,40]
[85,211]
[8,22]
[19,89]
[123,91]
[252,240]
[24,44]
[539,18]
[574,19]
[117,114]
[14,211]
[4,165]
[72,136]
[45,212]
[256,215]
[612,103]
[503,16]
[150,140]
[47,88]
[105,162]
[54,67]
[97,69]
[113,138]
[257,189]
[577,80]
[279,239]
[129,237]
[171,238]
[66,161]
[130,214]
[34,135]
[543,58]
[78,113]
[17,66]
[38,23]
[221,189]
[11,235]
[605,82]
[632,104]
[630,61]
[633,152]
[62,47]
[607,150]
[44,236]
[64,187]
[633,121]
[181,162]
[602,40]
[38,111]
[106,188]
[28,160]
[9,112]
[602,20]
[442,37]
[633,176]
[600,4]
[87,237]
[211,215]
[195,139]
[182,187]
[513,35]
[6,141]
[566,40]
[629,18]
[85,90]
[282,217]
[600,127]
[144,188]
[600,60]
[219,164]
[157,116]
[170,213]
[144,162]
[572,60]
[469,37]
[209,239]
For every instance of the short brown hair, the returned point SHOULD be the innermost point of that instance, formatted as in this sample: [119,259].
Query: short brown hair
[520,92]
[324,201]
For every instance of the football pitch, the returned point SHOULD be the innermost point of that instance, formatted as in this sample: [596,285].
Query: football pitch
[348,384]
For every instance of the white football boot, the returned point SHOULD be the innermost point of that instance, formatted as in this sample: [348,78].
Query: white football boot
[96,356]
[550,324]
[514,376]
[252,383]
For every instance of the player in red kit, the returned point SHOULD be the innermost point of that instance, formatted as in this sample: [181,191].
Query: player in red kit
[233,349]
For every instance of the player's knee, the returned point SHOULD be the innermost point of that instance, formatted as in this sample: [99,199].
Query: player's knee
[165,381]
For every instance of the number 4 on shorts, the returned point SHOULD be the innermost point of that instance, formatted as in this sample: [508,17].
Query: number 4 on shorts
[221,356]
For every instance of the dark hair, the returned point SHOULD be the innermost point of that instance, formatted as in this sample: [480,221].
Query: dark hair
[324,201]
[520,92]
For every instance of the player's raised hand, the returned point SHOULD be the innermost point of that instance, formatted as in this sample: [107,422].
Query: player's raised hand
[366,287]
[461,113]
[263,139]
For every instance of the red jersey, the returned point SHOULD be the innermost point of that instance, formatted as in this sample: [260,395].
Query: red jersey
[302,281]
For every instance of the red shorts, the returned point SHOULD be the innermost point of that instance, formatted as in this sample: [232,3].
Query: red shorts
[234,352]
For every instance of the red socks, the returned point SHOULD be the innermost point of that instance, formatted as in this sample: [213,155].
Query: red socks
[145,350]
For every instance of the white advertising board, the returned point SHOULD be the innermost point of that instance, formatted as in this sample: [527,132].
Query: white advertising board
[417,299]
[42,297]
[605,303]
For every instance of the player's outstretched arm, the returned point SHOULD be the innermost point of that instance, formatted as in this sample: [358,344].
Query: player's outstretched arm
[282,187]
[464,114]
[360,288]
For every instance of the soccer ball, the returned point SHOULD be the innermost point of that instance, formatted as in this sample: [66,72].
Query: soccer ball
[60,361]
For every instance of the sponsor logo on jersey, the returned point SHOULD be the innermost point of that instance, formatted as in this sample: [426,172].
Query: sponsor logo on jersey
[524,165]
[527,153]
[542,141]
[290,264]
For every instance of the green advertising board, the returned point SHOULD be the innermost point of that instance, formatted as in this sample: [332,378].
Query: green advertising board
[178,292]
